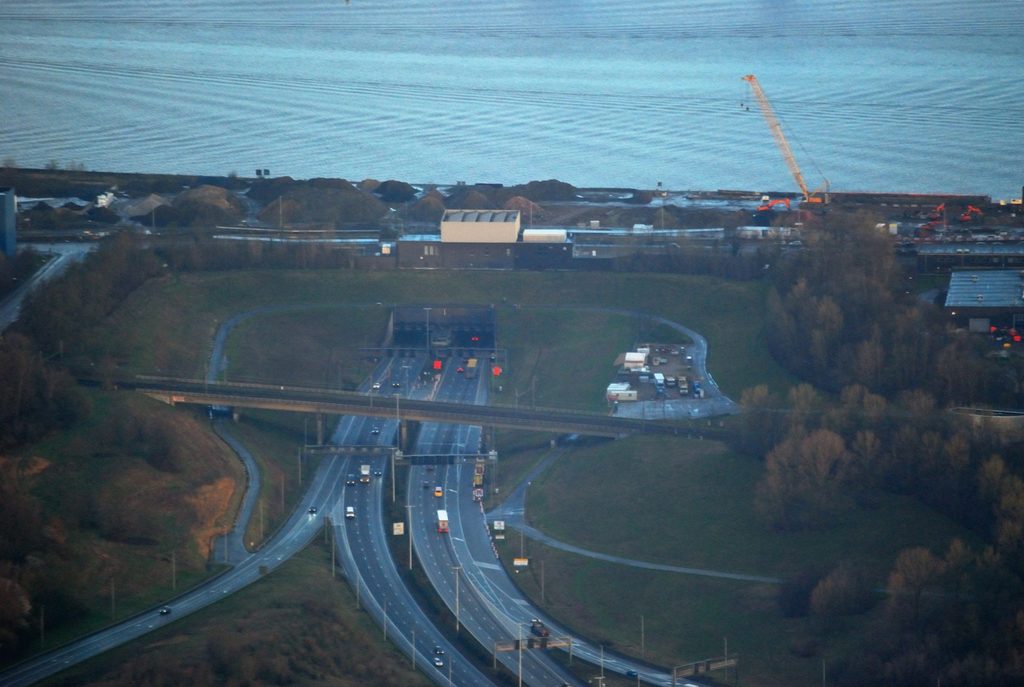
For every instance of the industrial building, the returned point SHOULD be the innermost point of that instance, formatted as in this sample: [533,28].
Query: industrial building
[946,257]
[480,226]
[981,299]
[8,221]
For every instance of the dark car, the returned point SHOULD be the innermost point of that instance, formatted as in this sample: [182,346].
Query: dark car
[312,510]
[396,385]
[438,651]
[630,673]
[378,473]
[350,480]
[375,430]
[165,610]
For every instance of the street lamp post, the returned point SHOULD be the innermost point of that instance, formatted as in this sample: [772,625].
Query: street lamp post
[408,520]
[427,309]
[457,569]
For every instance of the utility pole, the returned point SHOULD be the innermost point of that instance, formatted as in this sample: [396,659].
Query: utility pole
[542,597]
[42,626]
[298,457]
[113,607]
[174,572]
[385,620]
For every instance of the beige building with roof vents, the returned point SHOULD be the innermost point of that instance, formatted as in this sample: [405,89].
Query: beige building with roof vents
[480,226]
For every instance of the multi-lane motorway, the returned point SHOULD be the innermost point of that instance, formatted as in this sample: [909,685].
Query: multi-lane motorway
[461,563]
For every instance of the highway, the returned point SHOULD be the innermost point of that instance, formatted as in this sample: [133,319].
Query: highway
[64,255]
[439,553]
[363,548]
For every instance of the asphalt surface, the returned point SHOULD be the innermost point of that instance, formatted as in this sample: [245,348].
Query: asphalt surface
[447,556]
[363,551]
[64,255]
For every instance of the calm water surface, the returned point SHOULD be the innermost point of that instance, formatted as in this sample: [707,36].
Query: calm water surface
[919,95]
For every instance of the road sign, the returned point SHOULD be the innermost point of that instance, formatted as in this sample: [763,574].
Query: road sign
[520,562]
[499,525]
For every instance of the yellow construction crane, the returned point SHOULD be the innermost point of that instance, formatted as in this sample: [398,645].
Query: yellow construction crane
[817,196]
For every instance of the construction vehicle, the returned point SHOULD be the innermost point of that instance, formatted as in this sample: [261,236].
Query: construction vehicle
[765,206]
[938,212]
[818,196]
[970,213]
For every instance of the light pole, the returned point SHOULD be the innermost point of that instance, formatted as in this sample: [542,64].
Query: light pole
[398,421]
[519,641]
[408,518]
[457,569]
[427,309]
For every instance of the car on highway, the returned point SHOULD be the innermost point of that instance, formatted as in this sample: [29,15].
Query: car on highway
[438,491]
[312,510]
[396,385]
[438,662]
[631,673]
[350,512]
[375,430]
[438,651]
[376,386]
[378,473]
[460,370]
[165,610]
[350,479]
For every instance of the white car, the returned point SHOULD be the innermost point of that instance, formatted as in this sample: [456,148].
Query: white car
[376,386]
[350,512]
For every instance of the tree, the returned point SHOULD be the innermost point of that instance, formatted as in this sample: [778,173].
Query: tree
[805,480]
[915,571]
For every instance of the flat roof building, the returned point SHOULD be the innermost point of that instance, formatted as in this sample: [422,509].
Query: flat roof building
[984,298]
[480,226]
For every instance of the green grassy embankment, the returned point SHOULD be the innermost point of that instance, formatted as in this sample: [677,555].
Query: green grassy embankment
[131,500]
[168,324]
[690,503]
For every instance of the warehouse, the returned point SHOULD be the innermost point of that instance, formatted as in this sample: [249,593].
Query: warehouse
[981,299]
[480,226]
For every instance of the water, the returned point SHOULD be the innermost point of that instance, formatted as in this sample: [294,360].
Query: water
[914,95]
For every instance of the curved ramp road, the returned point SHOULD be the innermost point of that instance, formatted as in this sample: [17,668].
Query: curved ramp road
[324,493]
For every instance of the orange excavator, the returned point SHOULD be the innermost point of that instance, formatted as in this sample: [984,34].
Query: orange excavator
[970,213]
[765,206]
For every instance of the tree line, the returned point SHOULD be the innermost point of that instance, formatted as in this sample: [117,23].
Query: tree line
[880,368]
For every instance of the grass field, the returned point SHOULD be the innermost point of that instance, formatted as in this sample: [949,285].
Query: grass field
[690,503]
[295,626]
[169,323]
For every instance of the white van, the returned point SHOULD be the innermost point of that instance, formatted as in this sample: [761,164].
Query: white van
[350,512]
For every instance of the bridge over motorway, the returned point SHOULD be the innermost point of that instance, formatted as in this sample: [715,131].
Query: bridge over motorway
[332,402]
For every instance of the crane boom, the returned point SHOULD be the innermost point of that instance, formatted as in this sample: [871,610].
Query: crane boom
[780,139]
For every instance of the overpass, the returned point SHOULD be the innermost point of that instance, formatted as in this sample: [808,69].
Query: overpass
[331,402]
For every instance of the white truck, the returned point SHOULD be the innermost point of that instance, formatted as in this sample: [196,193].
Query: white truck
[364,474]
